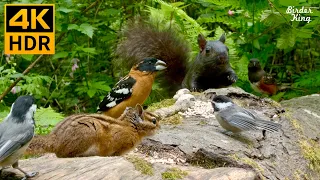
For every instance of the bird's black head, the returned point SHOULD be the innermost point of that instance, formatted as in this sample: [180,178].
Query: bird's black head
[23,109]
[151,65]
[254,64]
[221,99]
[220,102]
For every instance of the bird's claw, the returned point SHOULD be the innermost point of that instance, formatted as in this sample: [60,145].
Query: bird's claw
[232,78]
[29,175]
[195,89]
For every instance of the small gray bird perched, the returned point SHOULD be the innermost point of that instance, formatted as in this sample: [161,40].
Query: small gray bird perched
[16,132]
[236,119]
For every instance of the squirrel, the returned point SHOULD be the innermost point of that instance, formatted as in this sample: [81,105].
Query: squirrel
[82,135]
[210,69]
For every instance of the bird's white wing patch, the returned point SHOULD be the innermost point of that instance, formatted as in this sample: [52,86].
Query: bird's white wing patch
[111,104]
[123,91]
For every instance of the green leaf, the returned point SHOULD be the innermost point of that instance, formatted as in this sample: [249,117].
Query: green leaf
[315,53]
[87,29]
[64,9]
[256,43]
[289,3]
[312,24]
[287,39]
[104,87]
[17,75]
[60,55]
[4,114]
[306,33]
[73,26]
[27,56]
[91,92]
[47,116]
[89,50]
[101,85]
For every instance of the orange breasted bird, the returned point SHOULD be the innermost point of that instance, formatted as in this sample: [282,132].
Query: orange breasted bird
[132,89]
[260,80]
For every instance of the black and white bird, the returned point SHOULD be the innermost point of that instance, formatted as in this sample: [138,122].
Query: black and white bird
[133,89]
[16,132]
[236,119]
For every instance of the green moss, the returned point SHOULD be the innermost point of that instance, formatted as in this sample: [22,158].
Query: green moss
[174,120]
[141,165]
[30,156]
[174,173]
[202,122]
[275,104]
[207,163]
[252,163]
[294,122]
[244,140]
[311,151]
[161,104]
[248,161]
[255,165]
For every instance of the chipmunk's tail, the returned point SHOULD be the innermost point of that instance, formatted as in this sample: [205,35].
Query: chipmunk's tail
[40,144]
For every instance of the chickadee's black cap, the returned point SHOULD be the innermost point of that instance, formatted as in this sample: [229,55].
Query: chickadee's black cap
[221,99]
[22,105]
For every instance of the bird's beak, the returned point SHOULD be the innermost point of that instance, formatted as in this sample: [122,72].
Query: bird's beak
[214,106]
[254,63]
[160,65]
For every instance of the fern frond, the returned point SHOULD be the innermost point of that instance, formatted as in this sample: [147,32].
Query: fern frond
[224,3]
[173,15]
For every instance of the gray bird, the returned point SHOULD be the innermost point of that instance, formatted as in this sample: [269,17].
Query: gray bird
[236,119]
[16,132]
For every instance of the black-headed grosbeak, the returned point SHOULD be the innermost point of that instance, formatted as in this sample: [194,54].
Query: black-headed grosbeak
[133,89]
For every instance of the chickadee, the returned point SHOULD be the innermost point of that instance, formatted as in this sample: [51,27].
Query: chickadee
[236,119]
[16,132]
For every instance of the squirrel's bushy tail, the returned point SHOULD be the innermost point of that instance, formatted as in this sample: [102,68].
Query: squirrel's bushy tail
[40,144]
[142,39]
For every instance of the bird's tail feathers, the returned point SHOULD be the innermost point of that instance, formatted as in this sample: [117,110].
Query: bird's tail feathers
[268,125]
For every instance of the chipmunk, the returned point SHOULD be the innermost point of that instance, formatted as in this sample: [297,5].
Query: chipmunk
[96,134]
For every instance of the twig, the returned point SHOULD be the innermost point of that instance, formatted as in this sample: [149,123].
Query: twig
[19,78]
[273,60]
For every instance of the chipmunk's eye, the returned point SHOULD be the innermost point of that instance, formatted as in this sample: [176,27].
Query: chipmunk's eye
[154,120]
